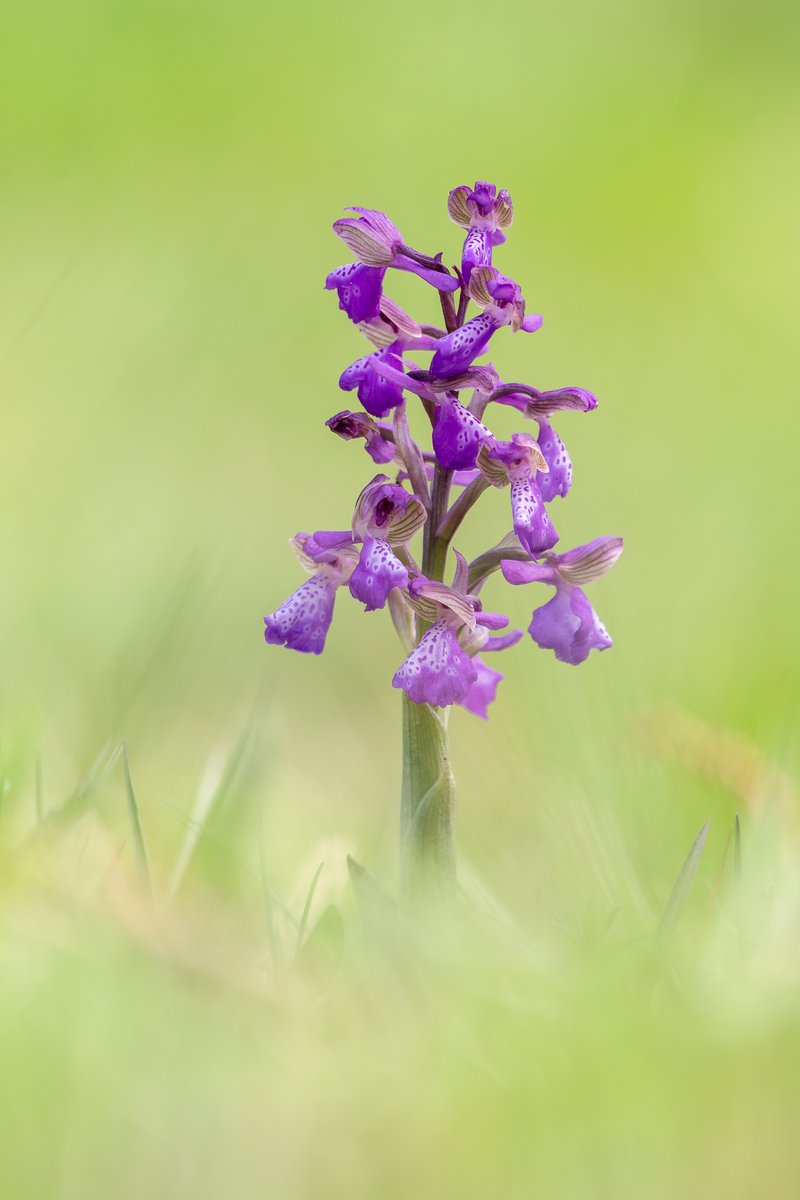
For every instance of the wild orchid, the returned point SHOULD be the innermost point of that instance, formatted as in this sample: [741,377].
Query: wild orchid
[433,594]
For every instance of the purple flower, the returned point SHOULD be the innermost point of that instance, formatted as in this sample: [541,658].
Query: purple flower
[457,433]
[439,671]
[378,394]
[359,288]
[351,425]
[517,463]
[386,517]
[533,403]
[377,242]
[484,213]
[567,624]
[302,622]
[503,304]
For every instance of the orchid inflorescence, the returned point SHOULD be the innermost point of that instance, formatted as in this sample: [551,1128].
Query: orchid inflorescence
[444,627]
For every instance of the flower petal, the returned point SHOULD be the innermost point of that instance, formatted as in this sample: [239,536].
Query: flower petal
[569,626]
[378,571]
[437,671]
[302,622]
[477,250]
[378,395]
[457,435]
[457,350]
[589,562]
[532,523]
[359,289]
[558,478]
[483,691]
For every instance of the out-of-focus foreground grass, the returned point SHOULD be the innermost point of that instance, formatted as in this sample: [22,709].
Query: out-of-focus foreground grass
[167,359]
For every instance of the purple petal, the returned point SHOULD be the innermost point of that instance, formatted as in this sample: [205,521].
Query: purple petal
[532,323]
[302,622]
[532,524]
[378,571]
[527,572]
[456,350]
[457,435]
[483,690]
[569,626]
[443,281]
[437,671]
[380,449]
[378,395]
[477,250]
[320,544]
[504,642]
[359,288]
[558,480]
[589,562]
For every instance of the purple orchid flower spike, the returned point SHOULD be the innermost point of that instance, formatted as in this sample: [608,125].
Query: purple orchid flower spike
[352,425]
[517,463]
[386,518]
[438,671]
[398,550]
[302,622]
[377,242]
[503,304]
[567,624]
[485,213]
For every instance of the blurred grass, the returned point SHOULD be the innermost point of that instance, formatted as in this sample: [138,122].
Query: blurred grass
[167,358]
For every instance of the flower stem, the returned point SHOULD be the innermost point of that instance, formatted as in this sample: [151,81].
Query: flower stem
[427,813]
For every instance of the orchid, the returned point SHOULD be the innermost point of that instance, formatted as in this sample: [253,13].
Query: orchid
[432,593]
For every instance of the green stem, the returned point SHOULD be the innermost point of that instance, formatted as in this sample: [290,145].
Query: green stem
[427,813]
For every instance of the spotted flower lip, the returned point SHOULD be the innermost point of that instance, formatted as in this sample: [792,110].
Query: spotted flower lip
[302,622]
[503,304]
[484,213]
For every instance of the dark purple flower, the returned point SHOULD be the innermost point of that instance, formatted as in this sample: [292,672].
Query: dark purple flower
[517,463]
[302,622]
[377,242]
[503,304]
[457,435]
[351,425]
[378,394]
[359,288]
[567,624]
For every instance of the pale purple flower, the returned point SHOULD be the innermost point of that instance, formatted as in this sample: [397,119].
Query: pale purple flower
[302,622]
[518,463]
[567,624]
[386,517]
[438,671]
[484,213]
[351,425]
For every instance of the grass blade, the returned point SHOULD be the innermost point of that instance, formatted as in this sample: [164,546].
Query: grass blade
[307,907]
[683,885]
[38,794]
[139,847]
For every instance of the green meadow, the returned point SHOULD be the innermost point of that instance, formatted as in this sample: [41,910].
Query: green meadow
[197,997]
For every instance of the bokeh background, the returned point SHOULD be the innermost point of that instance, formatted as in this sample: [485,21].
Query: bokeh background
[167,360]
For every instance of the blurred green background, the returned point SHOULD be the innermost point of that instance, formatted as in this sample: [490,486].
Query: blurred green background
[170,172]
